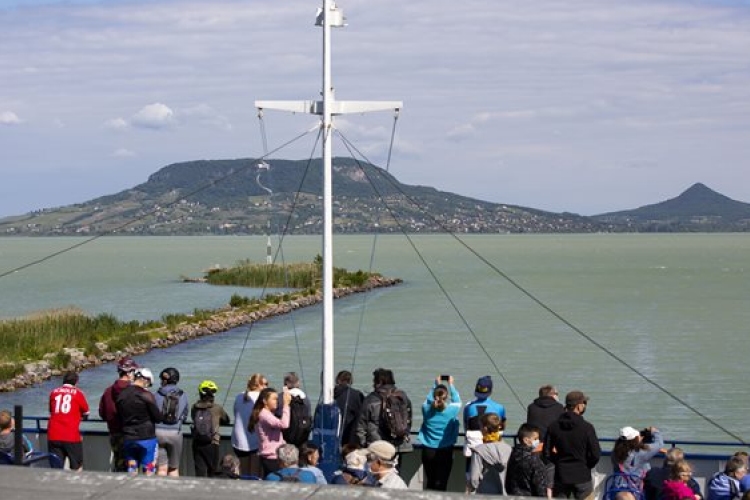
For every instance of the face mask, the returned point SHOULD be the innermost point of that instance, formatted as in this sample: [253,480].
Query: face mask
[535,444]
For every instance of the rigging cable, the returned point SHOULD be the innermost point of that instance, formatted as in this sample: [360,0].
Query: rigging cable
[559,317]
[372,251]
[284,230]
[447,295]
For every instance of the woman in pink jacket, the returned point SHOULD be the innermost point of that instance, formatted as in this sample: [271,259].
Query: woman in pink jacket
[269,426]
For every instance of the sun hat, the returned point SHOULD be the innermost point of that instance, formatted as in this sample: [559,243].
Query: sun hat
[383,451]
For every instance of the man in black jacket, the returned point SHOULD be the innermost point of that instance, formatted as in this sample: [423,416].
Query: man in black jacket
[372,426]
[349,401]
[138,413]
[573,447]
[544,410]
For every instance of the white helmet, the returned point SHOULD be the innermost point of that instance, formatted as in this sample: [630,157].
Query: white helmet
[144,373]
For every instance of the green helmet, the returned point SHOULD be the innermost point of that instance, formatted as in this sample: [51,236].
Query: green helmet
[208,387]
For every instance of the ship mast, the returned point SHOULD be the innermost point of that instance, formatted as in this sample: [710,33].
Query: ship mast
[329,16]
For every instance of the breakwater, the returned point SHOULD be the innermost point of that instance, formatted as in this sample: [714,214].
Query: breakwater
[221,320]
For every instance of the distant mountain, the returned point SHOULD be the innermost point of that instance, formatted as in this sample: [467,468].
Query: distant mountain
[244,197]
[696,209]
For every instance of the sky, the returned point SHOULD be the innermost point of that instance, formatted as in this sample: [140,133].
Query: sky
[584,106]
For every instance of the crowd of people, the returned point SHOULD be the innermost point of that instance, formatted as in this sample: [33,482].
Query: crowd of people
[553,453]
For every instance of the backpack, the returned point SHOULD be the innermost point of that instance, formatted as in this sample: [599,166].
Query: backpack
[394,414]
[300,422]
[170,406]
[290,478]
[203,426]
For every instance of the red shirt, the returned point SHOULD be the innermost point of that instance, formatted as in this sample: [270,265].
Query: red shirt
[67,406]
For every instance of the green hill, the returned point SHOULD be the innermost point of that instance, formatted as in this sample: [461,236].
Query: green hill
[699,208]
[243,197]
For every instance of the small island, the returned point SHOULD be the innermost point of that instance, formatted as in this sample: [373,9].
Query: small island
[48,343]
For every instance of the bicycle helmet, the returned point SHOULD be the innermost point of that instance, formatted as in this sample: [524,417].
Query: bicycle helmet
[208,387]
[144,373]
[170,375]
[126,365]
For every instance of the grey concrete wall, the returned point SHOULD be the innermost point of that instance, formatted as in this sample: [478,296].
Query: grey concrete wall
[21,483]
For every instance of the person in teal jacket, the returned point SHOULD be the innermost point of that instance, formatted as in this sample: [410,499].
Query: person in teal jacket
[439,432]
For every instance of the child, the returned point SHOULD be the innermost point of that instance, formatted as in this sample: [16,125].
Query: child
[488,459]
[526,475]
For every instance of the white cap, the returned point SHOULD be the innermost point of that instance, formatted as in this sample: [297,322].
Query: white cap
[629,433]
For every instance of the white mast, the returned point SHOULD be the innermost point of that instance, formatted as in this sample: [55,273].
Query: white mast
[328,17]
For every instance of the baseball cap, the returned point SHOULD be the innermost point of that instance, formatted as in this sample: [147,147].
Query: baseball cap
[629,433]
[483,387]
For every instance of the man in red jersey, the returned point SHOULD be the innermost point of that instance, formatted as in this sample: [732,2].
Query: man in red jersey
[67,407]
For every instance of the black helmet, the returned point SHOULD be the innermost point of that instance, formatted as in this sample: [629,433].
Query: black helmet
[170,375]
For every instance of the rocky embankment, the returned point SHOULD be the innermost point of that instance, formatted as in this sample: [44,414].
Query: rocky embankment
[222,321]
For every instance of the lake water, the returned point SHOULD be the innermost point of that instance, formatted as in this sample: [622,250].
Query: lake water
[674,307]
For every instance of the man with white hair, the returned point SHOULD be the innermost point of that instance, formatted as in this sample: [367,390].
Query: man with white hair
[290,471]
[382,458]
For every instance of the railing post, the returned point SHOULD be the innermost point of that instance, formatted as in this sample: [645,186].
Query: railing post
[18,435]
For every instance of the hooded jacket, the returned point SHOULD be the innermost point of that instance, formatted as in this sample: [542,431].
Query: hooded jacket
[182,409]
[526,475]
[108,406]
[571,444]
[542,412]
[722,487]
[487,464]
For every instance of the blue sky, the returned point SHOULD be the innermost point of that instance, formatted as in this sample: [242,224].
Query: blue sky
[585,106]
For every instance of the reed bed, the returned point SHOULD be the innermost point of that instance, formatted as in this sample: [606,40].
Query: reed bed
[295,275]
[31,337]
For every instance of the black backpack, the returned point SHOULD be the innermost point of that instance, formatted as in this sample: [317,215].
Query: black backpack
[300,422]
[290,478]
[170,406]
[203,426]
[394,415]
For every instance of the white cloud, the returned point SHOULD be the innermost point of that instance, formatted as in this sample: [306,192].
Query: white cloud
[117,124]
[154,116]
[123,153]
[9,118]
[556,90]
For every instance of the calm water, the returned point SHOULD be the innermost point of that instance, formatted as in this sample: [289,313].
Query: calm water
[675,307]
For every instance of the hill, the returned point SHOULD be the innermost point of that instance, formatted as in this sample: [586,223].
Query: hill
[699,208]
[243,196]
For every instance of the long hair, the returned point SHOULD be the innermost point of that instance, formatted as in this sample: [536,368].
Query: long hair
[260,404]
[623,447]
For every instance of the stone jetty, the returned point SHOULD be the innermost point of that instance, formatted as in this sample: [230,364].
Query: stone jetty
[221,321]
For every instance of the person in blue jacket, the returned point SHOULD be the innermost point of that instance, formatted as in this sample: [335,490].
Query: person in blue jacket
[439,432]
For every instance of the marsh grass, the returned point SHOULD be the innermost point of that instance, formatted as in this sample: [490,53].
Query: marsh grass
[296,275]
[32,337]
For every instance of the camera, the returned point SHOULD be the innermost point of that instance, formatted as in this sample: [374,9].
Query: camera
[647,436]
[445,377]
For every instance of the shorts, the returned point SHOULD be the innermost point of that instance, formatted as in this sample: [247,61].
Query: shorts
[170,448]
[141,454]
[72,451]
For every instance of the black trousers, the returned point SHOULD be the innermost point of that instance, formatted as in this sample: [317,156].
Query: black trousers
[206,458]
[437,464]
